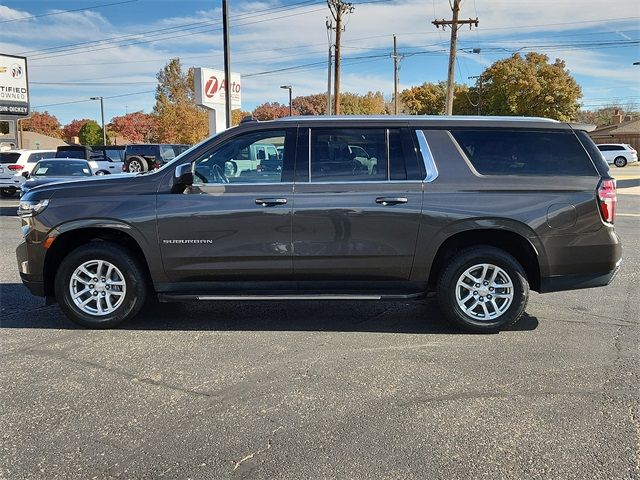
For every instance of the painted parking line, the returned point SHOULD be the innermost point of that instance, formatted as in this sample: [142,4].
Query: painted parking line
[628,214]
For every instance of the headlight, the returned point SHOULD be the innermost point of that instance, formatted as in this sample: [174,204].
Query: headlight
[29,208]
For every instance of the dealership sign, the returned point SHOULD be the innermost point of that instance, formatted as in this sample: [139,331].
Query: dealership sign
[210,86]
[14,88]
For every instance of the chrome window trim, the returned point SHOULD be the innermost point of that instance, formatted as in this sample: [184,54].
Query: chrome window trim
[369,182]
[241,184]
[427,157]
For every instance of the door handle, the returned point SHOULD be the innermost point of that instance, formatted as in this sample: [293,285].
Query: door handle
[391,200]
[270,202]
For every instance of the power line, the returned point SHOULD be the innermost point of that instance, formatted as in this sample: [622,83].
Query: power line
[89,100]
[30,17]
[162,31]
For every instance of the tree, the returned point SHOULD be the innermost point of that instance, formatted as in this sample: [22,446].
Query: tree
[42,122]
[72,129]
[371,103]
[429,99]
[271,111]
[179,119]
[90,133]
[530,86]
[311,104]
[136,127]
[237,115]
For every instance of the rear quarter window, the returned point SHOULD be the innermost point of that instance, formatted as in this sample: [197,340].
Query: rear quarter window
[521,152]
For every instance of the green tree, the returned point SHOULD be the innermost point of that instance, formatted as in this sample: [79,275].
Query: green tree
[179,119]
[429,99]
[531,86]
[90,133]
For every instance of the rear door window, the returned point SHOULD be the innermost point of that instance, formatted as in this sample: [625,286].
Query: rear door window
[521,152]
[348,155]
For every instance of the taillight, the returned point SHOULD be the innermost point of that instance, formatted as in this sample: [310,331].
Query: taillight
[15,168]
[607,199]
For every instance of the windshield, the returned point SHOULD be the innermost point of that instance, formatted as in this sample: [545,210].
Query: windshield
[61,169]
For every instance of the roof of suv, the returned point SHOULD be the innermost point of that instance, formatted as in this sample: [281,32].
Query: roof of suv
[431,120]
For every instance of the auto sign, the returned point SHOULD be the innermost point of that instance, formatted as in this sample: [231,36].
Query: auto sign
[14,86]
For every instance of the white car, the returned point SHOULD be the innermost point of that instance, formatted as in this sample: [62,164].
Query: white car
[618,153]
[13,163]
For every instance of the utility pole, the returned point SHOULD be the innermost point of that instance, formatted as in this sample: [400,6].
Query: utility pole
[329,38]
[338,8]
[227,60]
[396,69]
[454,24]
[479,79]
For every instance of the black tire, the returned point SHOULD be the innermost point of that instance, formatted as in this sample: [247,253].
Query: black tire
[140,164]
[134,276]
[7,192]
[466,259]
[620,162]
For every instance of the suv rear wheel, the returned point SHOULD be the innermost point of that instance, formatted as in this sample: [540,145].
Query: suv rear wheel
[137,164]
[483,289]
[100,285]
[620,162]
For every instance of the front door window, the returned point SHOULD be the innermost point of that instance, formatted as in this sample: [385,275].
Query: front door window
[249,158]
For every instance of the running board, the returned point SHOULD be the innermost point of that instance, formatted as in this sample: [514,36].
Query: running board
[168,297]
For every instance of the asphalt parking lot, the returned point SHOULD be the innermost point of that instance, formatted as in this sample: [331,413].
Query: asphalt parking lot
[325,390]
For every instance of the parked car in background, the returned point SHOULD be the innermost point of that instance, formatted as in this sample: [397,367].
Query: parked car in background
[15,162]
[103,160]
[150,156]
[110,158]
[620,154]
[55,170]
[477,209]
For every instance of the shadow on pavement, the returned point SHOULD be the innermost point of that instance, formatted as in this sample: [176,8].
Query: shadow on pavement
[634,182]
[26,311]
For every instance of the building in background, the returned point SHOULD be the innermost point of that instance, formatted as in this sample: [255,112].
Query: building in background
[622,130]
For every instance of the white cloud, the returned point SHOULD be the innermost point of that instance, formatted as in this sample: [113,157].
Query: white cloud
[259,45]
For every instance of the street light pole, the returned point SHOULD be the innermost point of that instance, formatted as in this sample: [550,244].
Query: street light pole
[288,87]
[104,132]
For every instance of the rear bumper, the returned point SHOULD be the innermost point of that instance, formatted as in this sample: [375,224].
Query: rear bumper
[560,283]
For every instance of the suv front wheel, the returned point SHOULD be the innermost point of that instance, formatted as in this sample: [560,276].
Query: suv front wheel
[100,285]
[483,289]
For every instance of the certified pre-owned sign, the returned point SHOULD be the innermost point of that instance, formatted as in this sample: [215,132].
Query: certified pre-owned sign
[14,88]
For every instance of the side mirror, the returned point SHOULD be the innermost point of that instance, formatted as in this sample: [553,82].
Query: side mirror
[25,174]
[183,177]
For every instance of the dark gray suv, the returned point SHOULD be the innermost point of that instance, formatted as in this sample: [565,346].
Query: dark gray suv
[478,209]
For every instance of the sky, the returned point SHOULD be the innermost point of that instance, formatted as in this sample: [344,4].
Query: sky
[78,49]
